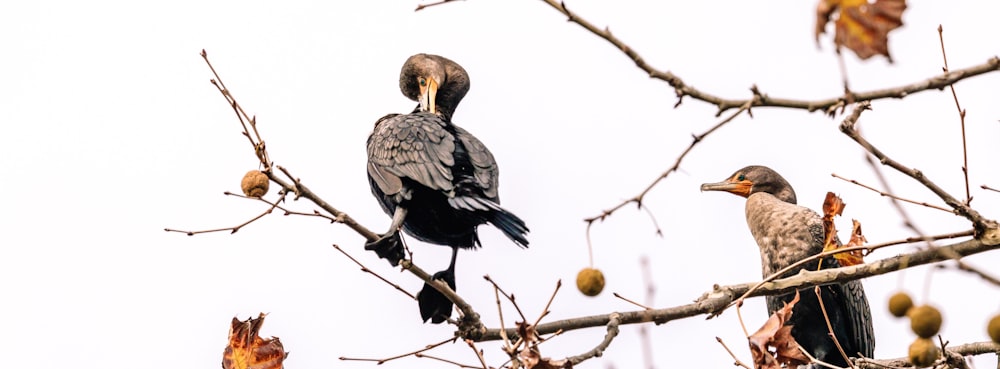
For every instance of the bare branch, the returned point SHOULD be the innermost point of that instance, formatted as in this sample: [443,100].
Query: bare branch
[548,304]
[369,271]
[509,297]
[985,276]
[722,296]
[961,117]
[235,228]
[425,6]
[886,194]
[460,365]
[969,349]
[988,188]
[829,327]
[631,301]
[413,353]
[682,89]
[736,360]
[868,249]
[981,224]
[677,164]
[479,353]
[597,351]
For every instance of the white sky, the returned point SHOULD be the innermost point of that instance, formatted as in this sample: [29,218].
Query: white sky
[112,133]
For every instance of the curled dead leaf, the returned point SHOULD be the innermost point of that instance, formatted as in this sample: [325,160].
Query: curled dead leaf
[530,355]
[247,350]
[774,334]
[833,206]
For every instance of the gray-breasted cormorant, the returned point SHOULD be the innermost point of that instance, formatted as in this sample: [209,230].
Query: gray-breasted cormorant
[787,233]
[436,180]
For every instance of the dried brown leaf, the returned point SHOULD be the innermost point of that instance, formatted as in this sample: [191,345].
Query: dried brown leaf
[246,350]
[861,26]
[833,206]
[775,334]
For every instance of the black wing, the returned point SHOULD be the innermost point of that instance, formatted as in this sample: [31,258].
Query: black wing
[415,146]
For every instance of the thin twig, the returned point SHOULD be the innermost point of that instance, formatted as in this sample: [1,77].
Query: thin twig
[695,139]
[813,359]
[656,225]
[988,188]
[369,271]
[980,223]
[509,297]
[413,353]
[739,316]
[631,301]
[961,117]
[985,276]
[682,89]
[548,304]
[886,194]
[235,228]
[614,319]
[590,247]
[737,361]
[507,347]
[258,143]
[425,6]
[829,327]
[479,353]
[460,365]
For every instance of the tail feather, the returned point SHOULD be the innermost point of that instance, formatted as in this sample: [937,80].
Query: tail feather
[511,225]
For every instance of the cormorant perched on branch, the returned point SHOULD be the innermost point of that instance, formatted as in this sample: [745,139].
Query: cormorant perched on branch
[787,233]
[436,180]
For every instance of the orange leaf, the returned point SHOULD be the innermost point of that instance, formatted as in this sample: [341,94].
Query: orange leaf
[246,350]
[857,239]
[775,334]
[861,26]
[833,206]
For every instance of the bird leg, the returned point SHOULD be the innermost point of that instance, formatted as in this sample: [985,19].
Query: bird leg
[389,246]
[433,304]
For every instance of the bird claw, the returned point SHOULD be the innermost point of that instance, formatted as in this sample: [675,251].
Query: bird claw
[389,246]
[434,306]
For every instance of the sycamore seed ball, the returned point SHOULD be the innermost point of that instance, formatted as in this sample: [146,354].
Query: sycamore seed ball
[899,304]
[925,320]
[923,352]
[590,281]
[255,184]
[993,328]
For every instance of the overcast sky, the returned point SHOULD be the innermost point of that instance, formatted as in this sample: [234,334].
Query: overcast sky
[112,132]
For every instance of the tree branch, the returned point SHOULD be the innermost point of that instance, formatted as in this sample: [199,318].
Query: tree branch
[722,296]
[968,349]
[980,223]
[682,89]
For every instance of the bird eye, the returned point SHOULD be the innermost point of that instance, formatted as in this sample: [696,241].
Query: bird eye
[423,82]
[741,178]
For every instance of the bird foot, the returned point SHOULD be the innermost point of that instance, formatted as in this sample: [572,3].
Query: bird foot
[389,246]
[433,304]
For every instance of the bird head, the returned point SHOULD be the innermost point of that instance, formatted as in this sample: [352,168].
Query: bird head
[753,179]
[436,82]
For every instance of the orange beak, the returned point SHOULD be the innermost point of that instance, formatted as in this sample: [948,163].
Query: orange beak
[741,188]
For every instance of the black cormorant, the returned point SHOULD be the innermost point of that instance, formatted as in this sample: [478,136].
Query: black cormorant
[787,233]
[436,180]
